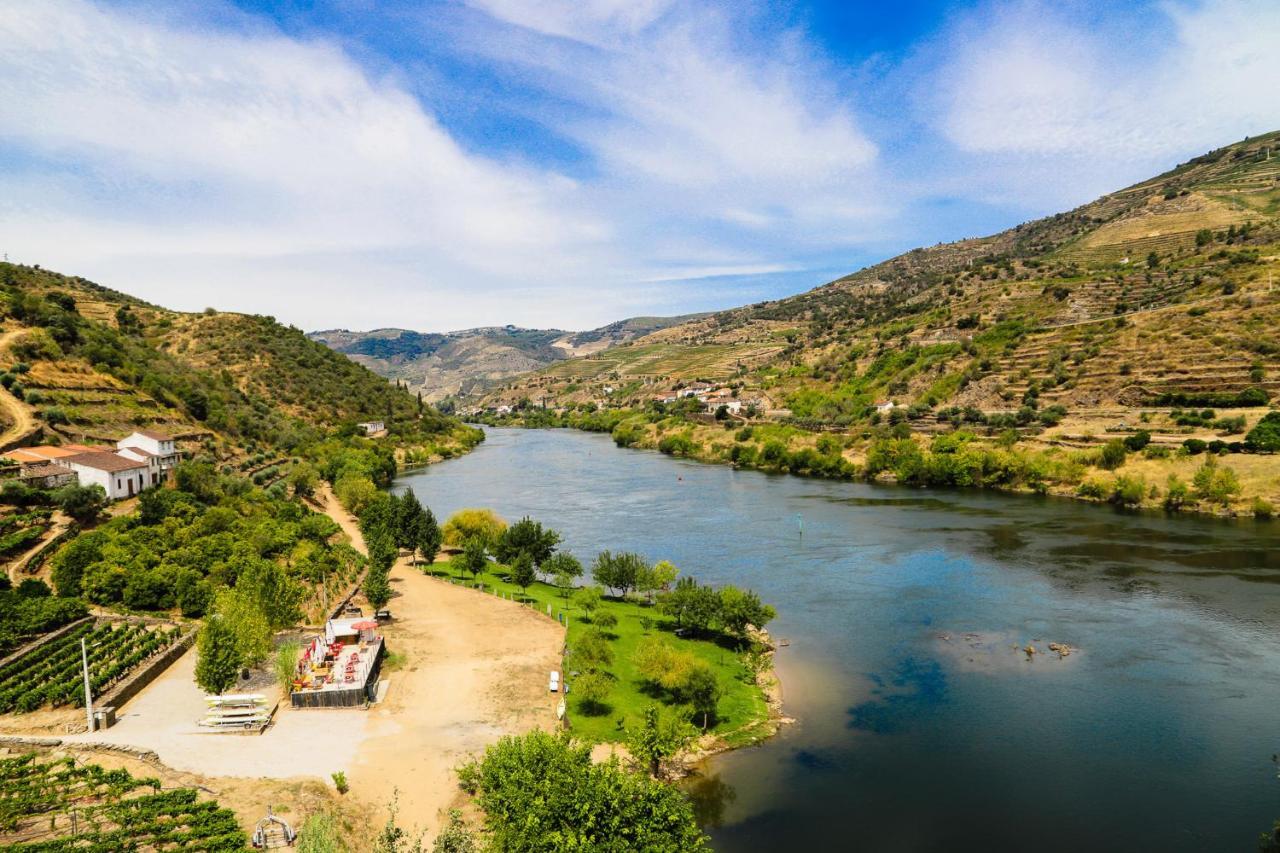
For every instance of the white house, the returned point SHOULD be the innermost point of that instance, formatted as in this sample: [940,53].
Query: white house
[370,427]
[119,476]
[156,449]
[884,407]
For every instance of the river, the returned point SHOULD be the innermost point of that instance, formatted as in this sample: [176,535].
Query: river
[921,725]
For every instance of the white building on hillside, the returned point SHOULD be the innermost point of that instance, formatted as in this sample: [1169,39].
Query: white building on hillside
[156,449]
[118,475]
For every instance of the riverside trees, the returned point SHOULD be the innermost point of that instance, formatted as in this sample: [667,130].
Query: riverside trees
[542,792]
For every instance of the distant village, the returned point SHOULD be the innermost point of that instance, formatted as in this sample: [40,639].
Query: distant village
[711,398]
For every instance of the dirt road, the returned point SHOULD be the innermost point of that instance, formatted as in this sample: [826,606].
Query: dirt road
[19,414]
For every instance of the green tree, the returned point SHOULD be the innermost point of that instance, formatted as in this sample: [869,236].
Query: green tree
[426,537]
[542,792]
[408,515]
[564,569]
[218,662]
[619,571]
[742,608]
[691,604]
[526,536]
[482,524]
[454,837]
[587,599]
[475,556]
[591,652]
[82,503]
[703,691]
[658,578]
[377,587]
[276,595]
[198,479]
[303,479]
[70,563]
[592,690]
[605,619]
[522,571]
[252,632]
[658,737]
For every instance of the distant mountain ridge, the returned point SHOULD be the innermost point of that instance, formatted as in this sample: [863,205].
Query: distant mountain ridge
[467,362]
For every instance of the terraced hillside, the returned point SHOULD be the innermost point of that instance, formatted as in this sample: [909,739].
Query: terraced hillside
[83,363]
[1067,329]
[466,363]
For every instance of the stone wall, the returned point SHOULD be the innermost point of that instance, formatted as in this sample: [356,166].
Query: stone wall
[145,674]
[47,638]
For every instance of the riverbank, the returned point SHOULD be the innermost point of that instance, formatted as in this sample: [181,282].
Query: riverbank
[1243,484]
[1177,681]
[749,711]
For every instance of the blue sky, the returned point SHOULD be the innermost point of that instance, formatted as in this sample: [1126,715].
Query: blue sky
[439,165]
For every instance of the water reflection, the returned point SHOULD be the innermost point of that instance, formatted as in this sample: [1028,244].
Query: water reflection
[923,725]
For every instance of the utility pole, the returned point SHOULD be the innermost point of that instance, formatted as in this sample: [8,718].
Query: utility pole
[88,697]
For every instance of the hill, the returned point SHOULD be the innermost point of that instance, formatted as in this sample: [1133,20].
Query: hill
[82,362]
[468,362]
[1072,329]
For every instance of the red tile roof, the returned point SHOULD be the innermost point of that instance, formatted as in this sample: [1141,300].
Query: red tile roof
[105,462]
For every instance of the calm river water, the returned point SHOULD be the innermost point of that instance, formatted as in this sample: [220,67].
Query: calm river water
[920,726]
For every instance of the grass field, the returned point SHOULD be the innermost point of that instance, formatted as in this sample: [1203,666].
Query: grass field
[742,712]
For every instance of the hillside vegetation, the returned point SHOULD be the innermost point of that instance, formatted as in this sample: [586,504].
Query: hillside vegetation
[468,362]
[1149,315]
[81,362]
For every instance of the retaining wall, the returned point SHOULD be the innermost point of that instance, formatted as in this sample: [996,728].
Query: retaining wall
[47,638]
[144,675]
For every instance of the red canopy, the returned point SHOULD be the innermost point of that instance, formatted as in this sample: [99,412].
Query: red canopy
[366,625]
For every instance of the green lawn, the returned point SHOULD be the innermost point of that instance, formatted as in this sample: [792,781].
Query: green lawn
[742,711]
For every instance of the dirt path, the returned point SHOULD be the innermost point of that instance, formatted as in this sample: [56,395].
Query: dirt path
[19,413]
[475,668]
[59,526]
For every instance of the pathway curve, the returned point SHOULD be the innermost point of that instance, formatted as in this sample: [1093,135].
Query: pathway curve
[22,421]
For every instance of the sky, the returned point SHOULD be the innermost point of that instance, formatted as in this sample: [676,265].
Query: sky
[567,163]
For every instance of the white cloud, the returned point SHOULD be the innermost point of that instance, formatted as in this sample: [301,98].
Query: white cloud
[176,144]
[1178,78]
[243,168]
[590,21]
[685,112]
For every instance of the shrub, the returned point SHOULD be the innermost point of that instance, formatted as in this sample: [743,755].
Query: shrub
[1113,454]
[1263,509]
[1194,446]
[1265,435]
[1176,494]
[1137,441]
[542,792]
[1128,491]
[1216,483]
[340,782]
[1094,489]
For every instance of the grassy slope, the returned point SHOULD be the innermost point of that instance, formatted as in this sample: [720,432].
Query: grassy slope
[743,714]
[1047,308]
[240,379]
